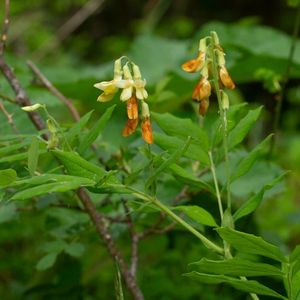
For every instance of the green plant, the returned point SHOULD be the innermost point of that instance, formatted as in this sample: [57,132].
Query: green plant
[62,166]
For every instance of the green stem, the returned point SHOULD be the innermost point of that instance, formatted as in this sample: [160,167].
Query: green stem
[223,120]
[209,244]
[213,171]
[285,79]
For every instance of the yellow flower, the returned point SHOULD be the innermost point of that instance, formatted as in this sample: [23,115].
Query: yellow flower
[109,88]
[139,83]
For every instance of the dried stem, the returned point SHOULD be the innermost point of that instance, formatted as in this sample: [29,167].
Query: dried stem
[5,27]
[47,84]
[71,25]
[9,117]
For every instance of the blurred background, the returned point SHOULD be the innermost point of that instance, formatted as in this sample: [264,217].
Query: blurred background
[74,43]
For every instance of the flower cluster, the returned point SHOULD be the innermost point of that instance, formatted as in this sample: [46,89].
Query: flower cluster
[209,51]
[128,78]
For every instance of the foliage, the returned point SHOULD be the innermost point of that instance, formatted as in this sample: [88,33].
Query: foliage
[208,184]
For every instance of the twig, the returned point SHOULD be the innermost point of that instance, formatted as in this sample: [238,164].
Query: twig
[46,83]
[71,25]
[7,98]
[21,97]
[99,223]
[5,27]
[9,117]
[134,240]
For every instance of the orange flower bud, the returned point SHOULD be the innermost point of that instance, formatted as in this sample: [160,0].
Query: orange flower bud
[194,65]
[130,127]
[225,78]
[132,108]
[147,131]
[202,90]
[203,107]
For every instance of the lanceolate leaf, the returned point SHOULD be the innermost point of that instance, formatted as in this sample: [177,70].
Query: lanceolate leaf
[249,286]
[250,206]
[33,156]
[172,159]
[181,128]
[249,243]
[236,267]
[239,132]
[198,214]
[78,166]
[173,143]
[60,187]
[245,164]
[90,137]
[188,178]
[7,177]
[77,128]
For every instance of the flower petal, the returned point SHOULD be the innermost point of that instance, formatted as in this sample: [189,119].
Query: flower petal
[130,127]
[105,97]
[147,131]
[126,94]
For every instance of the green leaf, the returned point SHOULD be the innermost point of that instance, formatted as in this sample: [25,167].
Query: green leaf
[54,247]
[74,249]
[233,117]
[240,131]
[249,286]
[295,255]
[57,187]
[236,267]
[293,3]
[188,178]
[172,159]
[49,178]
[295,286]
[33,156]
[181,128]
[77,128]
[7,177]
[118,284]
[249,243]
[173,143]
[11,148]
[78,166]
[8,211]
[249,206]
[17,157]
[91,136]
[198,214]
[245,164]
[46,262]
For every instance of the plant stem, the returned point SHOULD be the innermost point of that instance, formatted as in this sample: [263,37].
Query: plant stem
[213,171]
[209,244]
[223,117]
[285,79]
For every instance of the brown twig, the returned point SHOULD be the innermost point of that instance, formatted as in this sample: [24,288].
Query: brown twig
[71,25]
[8,117]
[101,228]
[7,98]
[5,27]
[46,83]
[134,240]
